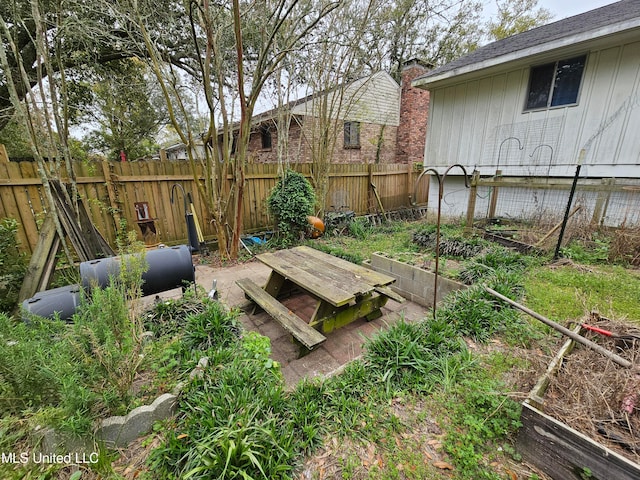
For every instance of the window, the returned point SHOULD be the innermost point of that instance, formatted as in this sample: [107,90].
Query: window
[351,134]
[265,135]
[555,84]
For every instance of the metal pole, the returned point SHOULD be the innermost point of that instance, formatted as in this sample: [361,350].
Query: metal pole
[567,211]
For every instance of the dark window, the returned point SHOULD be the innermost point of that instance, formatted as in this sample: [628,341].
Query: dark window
[265,135]
[555,84]
[351,134]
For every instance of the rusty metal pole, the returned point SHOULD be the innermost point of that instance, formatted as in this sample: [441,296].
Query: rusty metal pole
[441,180]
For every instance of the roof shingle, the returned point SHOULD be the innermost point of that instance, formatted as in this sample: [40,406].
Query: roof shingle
[584,22]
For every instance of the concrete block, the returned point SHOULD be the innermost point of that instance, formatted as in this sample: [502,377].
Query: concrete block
[414,282]
[119,431]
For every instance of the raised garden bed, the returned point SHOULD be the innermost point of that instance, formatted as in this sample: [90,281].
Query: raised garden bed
[412,280]
[573,423]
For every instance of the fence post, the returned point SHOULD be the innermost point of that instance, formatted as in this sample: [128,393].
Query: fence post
[114,203]
[4,157]
[370,188]
[471,206]
[494,196]
[409,191]
[602,202]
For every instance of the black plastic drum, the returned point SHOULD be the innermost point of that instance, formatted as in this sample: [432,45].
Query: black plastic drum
[168,268]
[62,300]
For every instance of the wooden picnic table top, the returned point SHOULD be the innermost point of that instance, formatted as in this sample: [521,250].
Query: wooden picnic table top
[330,278]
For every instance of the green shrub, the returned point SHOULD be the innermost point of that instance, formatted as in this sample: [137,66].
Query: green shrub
[477,314]
[29,358]
[406,355]
[291,201]
[491,262]
[232,421]
[12,265]
[215,327]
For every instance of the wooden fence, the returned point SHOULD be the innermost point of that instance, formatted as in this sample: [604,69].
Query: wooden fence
[139,193]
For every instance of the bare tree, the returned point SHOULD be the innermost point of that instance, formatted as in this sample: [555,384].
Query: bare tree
[43,109]
[238,47]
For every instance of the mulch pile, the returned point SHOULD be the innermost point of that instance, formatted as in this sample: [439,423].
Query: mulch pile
[597,397]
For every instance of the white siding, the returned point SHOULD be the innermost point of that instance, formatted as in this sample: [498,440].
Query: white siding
[469,121]
[374,99]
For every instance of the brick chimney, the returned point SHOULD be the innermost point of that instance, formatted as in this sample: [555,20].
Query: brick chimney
[414,110]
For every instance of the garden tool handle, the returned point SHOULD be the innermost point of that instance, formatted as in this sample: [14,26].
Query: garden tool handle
[599,330]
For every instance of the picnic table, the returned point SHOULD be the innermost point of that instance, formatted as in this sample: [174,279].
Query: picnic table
[343,291]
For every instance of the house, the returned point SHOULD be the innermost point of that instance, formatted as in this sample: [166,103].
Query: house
[537,103]
[374,120]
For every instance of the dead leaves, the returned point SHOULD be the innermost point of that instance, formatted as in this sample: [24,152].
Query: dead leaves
[443,465]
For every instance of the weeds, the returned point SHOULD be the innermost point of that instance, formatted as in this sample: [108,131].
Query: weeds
[12,265]
[169,317]
[481,418]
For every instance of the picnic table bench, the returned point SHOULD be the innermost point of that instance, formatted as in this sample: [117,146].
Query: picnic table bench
[343,292]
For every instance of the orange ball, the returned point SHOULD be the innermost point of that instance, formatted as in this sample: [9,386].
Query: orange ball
[317,226]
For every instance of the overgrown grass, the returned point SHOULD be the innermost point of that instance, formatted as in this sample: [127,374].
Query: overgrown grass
[391,237]
[568,293]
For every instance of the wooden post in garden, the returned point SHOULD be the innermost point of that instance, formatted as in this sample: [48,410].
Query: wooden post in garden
[370,188]
[494,196]
[602,201]
[471,206]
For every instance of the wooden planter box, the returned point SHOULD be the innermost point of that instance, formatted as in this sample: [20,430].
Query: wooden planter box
[560,451]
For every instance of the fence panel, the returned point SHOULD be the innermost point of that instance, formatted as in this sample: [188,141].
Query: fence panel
[111,191]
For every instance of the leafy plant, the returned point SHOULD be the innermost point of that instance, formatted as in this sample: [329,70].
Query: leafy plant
[360,228]
[213,327]
[291,201]
[12,265]
[479,419]
[232,421]
[29,354]
[169,317]
[591,253]
[452,243]
[337,252]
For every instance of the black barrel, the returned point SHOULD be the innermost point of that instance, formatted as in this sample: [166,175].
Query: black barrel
[168,268]
[63,300]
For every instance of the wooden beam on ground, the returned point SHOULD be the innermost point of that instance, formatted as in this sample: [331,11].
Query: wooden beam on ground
[43,261]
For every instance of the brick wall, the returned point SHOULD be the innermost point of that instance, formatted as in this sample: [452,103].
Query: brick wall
[414,110]
[299,150]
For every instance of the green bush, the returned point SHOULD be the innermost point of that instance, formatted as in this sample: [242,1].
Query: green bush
[12,265]
[291,201]
[213,327]
[406,355]
[232,421]
[29,357]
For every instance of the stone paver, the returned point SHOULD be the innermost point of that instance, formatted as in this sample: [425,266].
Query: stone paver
[342,345]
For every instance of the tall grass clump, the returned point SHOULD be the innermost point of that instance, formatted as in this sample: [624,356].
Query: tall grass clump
[474,312]
[232,420]
[406,355]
